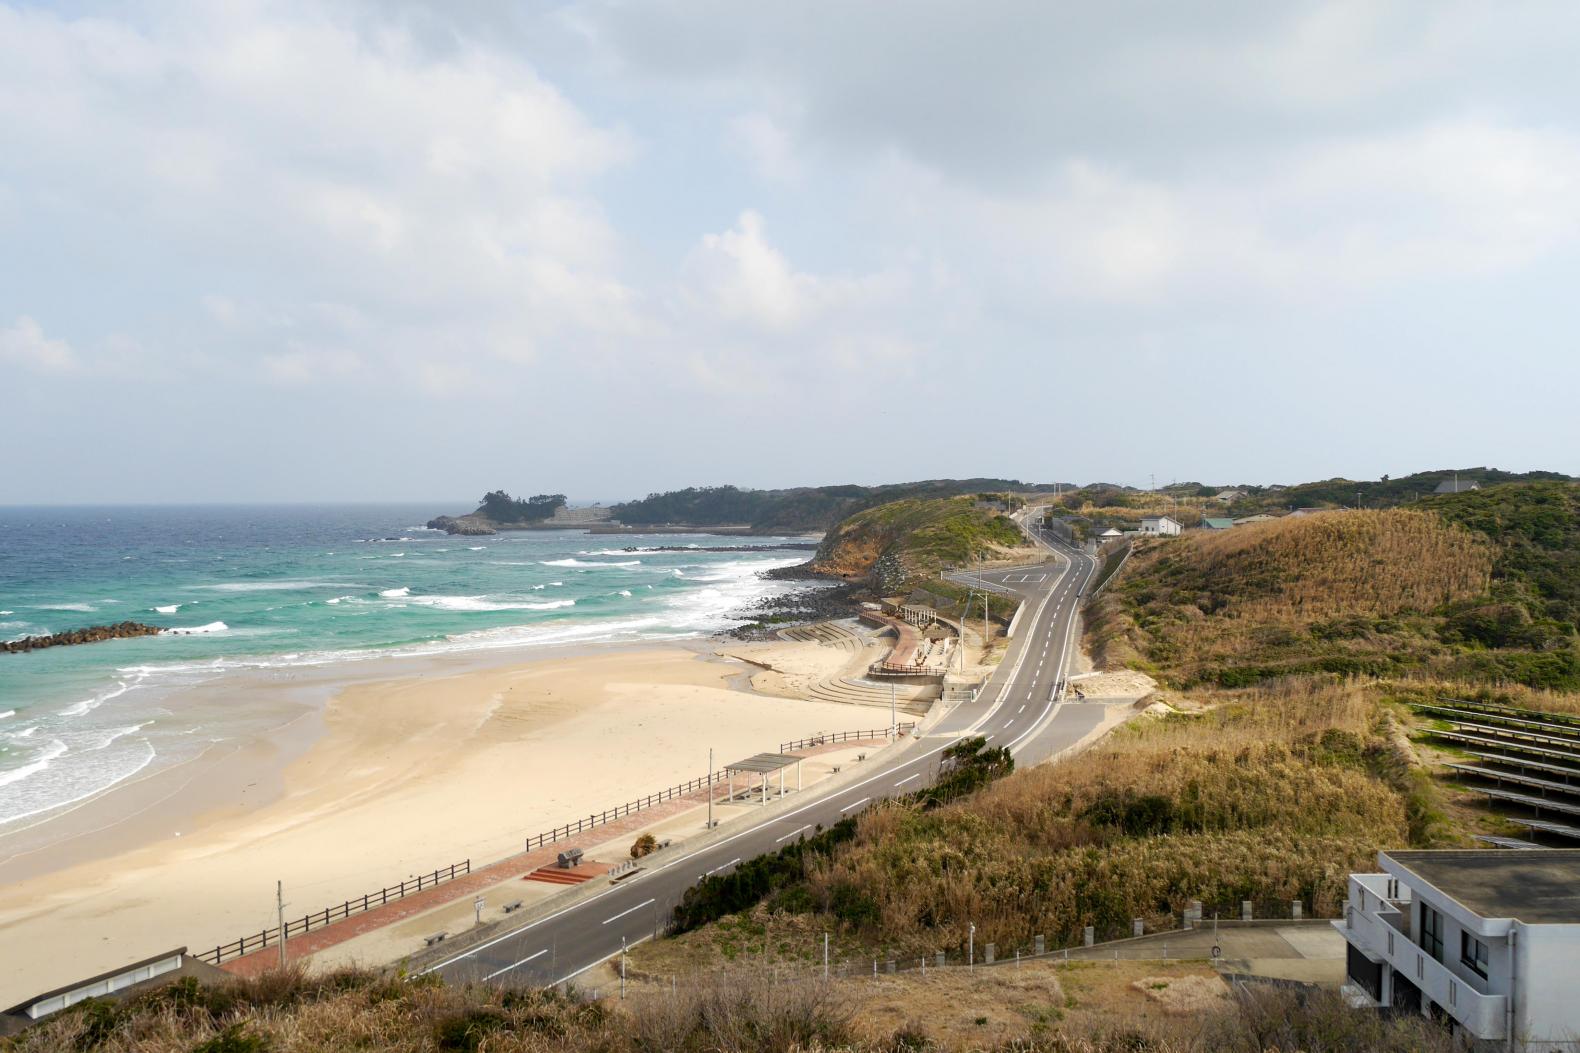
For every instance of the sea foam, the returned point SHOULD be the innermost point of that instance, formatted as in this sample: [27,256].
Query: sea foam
[589,563]
[196,630]
[392,594]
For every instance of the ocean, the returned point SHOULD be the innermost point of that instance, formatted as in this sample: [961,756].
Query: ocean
[280,587]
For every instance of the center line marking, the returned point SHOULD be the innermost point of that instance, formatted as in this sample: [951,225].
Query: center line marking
[858,804]
[731,863]
[791,834]
[623,913]
[908,778]
[1022,708]
[522,962]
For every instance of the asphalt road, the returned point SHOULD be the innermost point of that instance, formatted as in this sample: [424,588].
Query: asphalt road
[1017,708]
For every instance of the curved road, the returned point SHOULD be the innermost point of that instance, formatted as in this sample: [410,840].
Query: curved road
[1017,708]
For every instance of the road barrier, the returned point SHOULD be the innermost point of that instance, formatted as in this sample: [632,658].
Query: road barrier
[271,937]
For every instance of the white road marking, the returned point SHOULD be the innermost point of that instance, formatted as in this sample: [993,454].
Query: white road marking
[908,778]
[858,804]
[623,913]
[791,834]
[731,863]
[518,965]
[1022,708]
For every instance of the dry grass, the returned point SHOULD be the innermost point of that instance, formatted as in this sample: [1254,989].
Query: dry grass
[1319,566]
[1077,1008]
[1346,592]
[1268,795]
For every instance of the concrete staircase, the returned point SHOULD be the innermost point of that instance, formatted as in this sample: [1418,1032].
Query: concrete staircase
[829,634]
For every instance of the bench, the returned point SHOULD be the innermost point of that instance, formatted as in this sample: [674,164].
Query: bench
[438,937]
[509,907]
[569,858]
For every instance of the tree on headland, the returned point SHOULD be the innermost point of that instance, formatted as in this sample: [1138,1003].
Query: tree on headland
[499,507]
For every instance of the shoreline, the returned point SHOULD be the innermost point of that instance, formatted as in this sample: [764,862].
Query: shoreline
[368,774]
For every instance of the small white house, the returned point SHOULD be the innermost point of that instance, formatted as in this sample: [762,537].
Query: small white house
[1156,526]
[1488,938]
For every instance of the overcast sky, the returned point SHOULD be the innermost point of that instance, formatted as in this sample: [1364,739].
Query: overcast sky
[309,251]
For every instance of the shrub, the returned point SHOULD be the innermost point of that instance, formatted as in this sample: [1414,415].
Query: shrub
[645,845]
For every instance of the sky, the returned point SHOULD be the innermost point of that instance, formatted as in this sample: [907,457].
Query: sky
[395,249]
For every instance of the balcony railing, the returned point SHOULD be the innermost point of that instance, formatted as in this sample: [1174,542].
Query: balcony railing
[1376,929]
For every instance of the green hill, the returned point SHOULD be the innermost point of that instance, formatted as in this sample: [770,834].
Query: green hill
[903,543]
[807,508]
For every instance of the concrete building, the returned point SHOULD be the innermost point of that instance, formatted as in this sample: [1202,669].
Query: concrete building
[1159,526]
[1489,939]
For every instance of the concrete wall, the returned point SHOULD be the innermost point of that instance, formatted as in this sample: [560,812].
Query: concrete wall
[1547,987]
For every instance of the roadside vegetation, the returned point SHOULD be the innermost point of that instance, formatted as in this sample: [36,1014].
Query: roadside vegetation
[743,1010]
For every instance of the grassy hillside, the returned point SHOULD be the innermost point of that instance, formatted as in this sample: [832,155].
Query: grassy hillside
[801,508]
[896,546]
[1476,586]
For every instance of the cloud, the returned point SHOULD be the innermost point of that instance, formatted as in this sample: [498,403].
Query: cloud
[295,155]
[25,346]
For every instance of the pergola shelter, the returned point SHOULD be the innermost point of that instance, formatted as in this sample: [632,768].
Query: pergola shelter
[763,765]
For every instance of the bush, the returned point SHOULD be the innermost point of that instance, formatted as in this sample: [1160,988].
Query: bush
[645,845]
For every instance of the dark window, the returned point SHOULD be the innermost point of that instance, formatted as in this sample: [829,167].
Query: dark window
[1473,953]
[1432,932]
[1365,973]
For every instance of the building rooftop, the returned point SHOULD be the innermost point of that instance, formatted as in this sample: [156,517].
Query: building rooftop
[1539,887]
[1214,523]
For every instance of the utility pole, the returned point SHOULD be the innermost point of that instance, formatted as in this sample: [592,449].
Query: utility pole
[279,910]
[710,788]
[894,724]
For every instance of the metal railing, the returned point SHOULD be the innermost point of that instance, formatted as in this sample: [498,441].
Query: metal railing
[609,815]
[846,736]
[271,937]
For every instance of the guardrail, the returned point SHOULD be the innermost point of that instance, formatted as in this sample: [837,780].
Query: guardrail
[846,736]
[271,937]
[1112,572]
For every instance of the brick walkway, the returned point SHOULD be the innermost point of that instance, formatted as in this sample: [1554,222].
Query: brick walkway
[515,866]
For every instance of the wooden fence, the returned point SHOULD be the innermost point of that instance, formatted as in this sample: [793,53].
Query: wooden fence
[845,736]
[296,927]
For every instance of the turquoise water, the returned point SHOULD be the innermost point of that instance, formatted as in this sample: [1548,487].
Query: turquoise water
[254,588]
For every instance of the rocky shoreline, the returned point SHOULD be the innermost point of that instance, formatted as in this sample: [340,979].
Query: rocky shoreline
[92,634]
[768,616]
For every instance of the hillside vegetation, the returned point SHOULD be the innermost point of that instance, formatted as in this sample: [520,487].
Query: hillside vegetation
[807,508]
[737,1011]
[1478,586]
[904,542]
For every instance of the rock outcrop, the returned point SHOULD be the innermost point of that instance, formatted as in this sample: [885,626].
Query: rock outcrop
[466,526]
[92,634]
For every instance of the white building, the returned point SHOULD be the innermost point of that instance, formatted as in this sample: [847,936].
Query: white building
[1488,938]
[1159,525]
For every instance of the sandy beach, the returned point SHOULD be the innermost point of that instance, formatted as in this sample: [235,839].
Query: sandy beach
[389,778]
